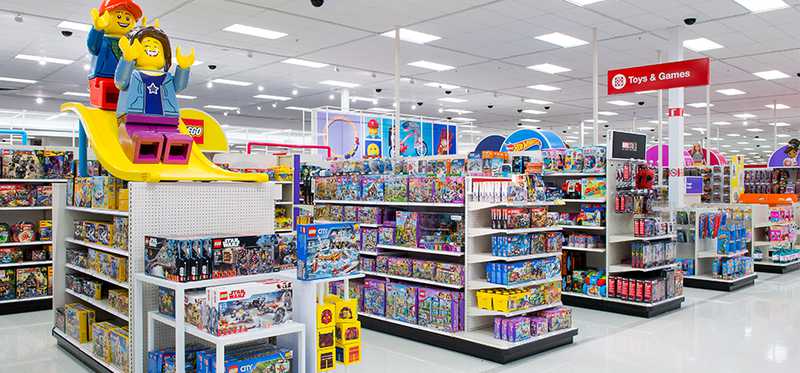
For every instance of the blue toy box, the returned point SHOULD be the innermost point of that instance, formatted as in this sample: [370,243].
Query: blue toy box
[326,250]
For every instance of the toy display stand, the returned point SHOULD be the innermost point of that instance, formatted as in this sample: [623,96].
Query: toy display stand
[761,240]
[619,236]
[703,251]
[182,208]
[11,215]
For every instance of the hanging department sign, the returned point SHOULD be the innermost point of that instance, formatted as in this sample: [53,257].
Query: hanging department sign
[687,73]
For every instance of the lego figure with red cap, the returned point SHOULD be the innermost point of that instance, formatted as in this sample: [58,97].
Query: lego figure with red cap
[110,22]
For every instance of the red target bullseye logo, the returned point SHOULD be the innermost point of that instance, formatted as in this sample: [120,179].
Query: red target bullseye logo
[619,81]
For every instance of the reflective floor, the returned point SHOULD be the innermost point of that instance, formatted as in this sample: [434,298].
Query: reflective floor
[756,329]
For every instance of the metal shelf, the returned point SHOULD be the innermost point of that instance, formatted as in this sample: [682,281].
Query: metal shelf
[107,249]
[478,232]
[32,243]
[97,275]
[630,237]
[475,311]
[386,203]
[25,299]
[33,181]
[99,303]
[483,258]
[484,284]
[412,279]
[27,208]
[587,249]
[617,268]
[289,327]
[97,211]
[420,250]
[27,264]
[87,349]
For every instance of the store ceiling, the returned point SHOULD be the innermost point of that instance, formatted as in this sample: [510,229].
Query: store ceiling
[490,44]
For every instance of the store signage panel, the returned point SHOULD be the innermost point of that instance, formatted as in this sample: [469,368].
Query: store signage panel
[689,73]
[628,145]
[694,184]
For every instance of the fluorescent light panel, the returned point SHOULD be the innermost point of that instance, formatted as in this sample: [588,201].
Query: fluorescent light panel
[607,113]
[780,124]
[16,80]
[458,111]
[364,99]
[544,87]
[380,110]
[232,82]
[221,107]
[529,120]
[186,97]
[537,102]
[699,105]
[562,40]
[549,68]
[297,108]
[722,123]
[77,94]
[771,75]
[305,63]
[337,83]
[759,6]
[28,57]
[453,100]
[254,31]
[273,97]
[701,45]
[534,112]
[412,36]
[583,2]
[731,92]
[431,65]
[776,106]
[463,119]
[744,116]
[754,130]
[621,103]
[74,26]
[441,85]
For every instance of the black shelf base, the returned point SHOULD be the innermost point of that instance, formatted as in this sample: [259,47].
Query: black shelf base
[79,354]
[700,283]
[26,306]
[758,267]
[497,355]
[601,304]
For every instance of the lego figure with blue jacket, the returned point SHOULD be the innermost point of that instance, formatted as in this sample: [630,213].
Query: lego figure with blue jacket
[114,19]
[147,110]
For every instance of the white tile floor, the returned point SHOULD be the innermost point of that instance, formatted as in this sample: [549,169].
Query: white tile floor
[756,329]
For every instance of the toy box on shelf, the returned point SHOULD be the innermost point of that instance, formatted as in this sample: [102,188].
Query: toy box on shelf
[775,241]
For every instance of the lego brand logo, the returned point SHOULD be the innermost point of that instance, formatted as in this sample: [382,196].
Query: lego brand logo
[230,242]
[195,127]
[312,232]
[217,244]
[223,295]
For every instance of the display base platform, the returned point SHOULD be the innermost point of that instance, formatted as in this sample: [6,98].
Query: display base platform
[646,310]
[12,307]
[79,354]
[465,346]
[705,282]
[776,267]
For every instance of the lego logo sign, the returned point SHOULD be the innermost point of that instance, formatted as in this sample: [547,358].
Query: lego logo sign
[196,129]
[312,232]
[689,73]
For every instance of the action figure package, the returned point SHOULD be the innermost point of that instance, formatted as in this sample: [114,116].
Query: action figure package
[449,190]
[594,159]
[23,231]
[326,250]
[57,164]
[15,195]
[9,255]
[22,164]
[241,307]
[104,190]
[406,233]
[77,321]
[396,189]
[84,187]
[8,284]
[32,282]
[372,188]
[42,195]
[420,189]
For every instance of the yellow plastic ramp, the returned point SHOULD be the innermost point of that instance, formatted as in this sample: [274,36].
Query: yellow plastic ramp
[101,129]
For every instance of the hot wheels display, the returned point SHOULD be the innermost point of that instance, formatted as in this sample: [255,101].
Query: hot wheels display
[326,250]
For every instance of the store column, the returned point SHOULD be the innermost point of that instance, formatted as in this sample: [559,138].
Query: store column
[677,183]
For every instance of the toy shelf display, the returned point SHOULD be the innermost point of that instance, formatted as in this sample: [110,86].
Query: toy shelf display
[716,183]
[715,245]
[775,241]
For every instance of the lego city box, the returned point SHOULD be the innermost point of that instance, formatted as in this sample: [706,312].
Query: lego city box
[327,250]
[241,307]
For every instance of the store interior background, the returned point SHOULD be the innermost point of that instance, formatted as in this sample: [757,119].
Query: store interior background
[489,44]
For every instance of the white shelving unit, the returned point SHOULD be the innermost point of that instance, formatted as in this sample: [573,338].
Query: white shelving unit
[761,227]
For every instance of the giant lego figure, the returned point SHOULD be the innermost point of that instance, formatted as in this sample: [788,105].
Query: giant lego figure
[110,22]
[148,110]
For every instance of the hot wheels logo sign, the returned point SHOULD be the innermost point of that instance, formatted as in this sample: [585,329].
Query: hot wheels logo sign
[523,145]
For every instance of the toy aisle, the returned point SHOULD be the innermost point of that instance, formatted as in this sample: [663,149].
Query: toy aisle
[278,187]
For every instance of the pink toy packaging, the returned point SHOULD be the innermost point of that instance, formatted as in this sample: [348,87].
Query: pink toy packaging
[424,269]
[370,215]
[449,190]
[401,302]
[449,273]
[420,189]
[374,297]
[406,229]
[439,309]
[369,240]
[372,188]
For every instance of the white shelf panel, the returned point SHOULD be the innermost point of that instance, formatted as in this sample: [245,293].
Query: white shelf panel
[709,278]
[87,349]
[483,258]
[27,264]
[107,249]
[766,243]
[630,237]
[415,326]
[475,311]
[97,211]
[478,232]
[583,227]
[615,300]
[101,304]
[34,181]
[212,282]
[774,264]
[29,208]
[617,268]
[25,299]
[483,284]
[593,200]
[384,203]
[368,253]
[289,327]
[486,337]
[412,279]
[362,225]
[713,254]
[475,206]
[573,174]
[586,249]
[283,202]
[97,276]
[420,250]
[282,182]
[33,243]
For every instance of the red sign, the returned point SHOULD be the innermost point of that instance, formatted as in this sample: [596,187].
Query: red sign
[687,73]
[675,112]
[196,129]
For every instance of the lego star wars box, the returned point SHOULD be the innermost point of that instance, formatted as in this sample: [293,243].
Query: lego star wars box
[241,307]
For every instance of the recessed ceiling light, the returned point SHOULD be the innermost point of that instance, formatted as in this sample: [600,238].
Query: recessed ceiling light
[16,80]
[754,130]
[734,135]
[221,107]
[255,31]
[453,100]
[232,82]
[562,40]
[760,139]
[549,68]
[74,26]
[783,135]
[272,97]
[722,123]
[699,105]
[698,129]
[583,2]
[778,107]
[186,97]
[43,60]
[544,87]
[701,45]
[458,111]
[535,112]
[758,6]
[380,110]
[599,121]
[537,102]
[607,113]
[726,146]
[731,92]
[297,108]
[337,83]
[780,124]
[771,75]
[431,65]
[744,116]
[621,103]
[441,85]
[77,94]
[462,119]
[373,100]
[306,63]
[412,36]
[529,120]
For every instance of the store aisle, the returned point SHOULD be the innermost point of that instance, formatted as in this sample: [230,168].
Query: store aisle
[753,330]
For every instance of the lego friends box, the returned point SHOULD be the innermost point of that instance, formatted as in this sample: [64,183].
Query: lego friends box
[326,250]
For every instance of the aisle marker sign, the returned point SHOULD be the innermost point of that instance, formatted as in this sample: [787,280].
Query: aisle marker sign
[689,73]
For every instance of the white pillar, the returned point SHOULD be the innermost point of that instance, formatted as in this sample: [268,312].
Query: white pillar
[660,129]
[396,128]
[583,132]
[595,89]
[344,96]
[677,183]
[774,125]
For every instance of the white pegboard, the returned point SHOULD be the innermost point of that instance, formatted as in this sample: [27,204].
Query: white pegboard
[188,208]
